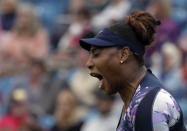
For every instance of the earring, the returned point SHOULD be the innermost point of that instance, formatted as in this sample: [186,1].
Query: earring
[121,62]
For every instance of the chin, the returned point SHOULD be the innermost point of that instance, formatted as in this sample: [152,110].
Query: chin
[110,93]
[109,89]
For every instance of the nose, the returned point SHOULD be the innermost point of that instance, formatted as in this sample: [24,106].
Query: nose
[90,63]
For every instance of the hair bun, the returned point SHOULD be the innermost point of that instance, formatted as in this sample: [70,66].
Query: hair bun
[144,25]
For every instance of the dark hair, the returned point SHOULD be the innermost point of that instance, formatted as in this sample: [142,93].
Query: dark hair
[138,27]
[38,62]
[31,127]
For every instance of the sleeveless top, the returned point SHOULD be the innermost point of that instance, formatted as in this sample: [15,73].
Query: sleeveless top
[160,111]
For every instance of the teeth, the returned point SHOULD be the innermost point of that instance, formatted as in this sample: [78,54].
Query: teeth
[100,83]
[96,75]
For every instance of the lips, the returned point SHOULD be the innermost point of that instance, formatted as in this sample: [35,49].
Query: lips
[100,77]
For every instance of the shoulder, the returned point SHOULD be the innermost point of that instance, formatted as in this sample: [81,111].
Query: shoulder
[166,111]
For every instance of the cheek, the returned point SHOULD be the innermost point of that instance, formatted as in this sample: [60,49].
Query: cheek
[111,70]
[108,66]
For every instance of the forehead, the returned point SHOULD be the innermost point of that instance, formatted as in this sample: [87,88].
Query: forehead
[95,48]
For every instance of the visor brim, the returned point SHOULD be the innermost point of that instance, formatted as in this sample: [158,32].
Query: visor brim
[89,42]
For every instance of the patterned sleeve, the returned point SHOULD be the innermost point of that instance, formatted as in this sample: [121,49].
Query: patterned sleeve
[166,111]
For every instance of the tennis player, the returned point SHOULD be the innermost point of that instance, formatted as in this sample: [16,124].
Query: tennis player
[116,59]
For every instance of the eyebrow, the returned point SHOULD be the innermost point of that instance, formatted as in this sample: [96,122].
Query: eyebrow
[94,49]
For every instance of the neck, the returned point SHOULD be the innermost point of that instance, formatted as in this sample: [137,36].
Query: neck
[131,84]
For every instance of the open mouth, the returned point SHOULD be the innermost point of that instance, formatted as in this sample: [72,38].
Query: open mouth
[100,78]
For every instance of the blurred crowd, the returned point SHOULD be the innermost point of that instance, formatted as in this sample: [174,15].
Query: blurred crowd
[44,85]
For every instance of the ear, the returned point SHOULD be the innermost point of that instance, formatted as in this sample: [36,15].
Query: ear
[124,54]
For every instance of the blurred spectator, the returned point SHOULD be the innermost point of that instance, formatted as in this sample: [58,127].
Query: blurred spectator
[139,4]
[170,73]
[167,66]
[160,9]
[183,47]
[169,30]
[0,29]
[184,70]
[41,87]
[61,27]
[49,11]
[156,63]
[1,103]
[33,82]
[8,14]
[27,40]
[96,6]
[115,11]
[183,41]
[19,112]
[76,5]
[66,113]
[84,92]
[179,12]
[79,27]
[103,120]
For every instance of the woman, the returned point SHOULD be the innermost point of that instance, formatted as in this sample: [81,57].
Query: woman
[27,40]
[116,59]
[66,113]
[18,113]
[169,30]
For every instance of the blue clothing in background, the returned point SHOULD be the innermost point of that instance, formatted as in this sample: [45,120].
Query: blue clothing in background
[7,21]
[49,10]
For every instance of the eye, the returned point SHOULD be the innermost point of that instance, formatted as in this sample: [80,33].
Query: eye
[96,54]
